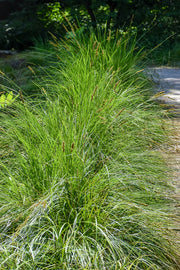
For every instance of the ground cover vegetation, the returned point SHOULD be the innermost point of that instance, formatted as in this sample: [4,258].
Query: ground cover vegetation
[83,185]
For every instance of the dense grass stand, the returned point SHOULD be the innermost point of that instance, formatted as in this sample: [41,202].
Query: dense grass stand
[83,185]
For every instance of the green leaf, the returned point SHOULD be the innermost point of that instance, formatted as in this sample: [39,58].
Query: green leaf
[2,101]
[9,98]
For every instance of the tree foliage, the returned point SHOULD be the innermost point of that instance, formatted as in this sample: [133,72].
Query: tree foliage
[159,19]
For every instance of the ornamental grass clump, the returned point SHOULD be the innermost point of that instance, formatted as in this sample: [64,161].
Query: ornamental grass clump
[82,183]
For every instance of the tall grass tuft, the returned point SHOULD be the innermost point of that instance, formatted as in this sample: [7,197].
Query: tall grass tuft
[83,185]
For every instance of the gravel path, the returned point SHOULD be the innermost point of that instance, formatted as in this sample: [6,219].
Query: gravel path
[168,81]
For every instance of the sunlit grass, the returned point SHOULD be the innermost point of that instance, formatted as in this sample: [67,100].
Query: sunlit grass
[82,183]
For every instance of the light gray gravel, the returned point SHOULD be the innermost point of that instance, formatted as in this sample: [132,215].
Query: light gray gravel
[167,80]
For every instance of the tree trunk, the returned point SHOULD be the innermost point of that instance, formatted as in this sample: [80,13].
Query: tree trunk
[91,13]
[112,6]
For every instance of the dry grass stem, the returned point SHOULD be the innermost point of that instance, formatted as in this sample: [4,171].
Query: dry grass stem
[21,96]
[63,146]
[94,92]
[31,69]
[120,112]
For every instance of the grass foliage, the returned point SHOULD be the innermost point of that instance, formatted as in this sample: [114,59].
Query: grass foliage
[82,183]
